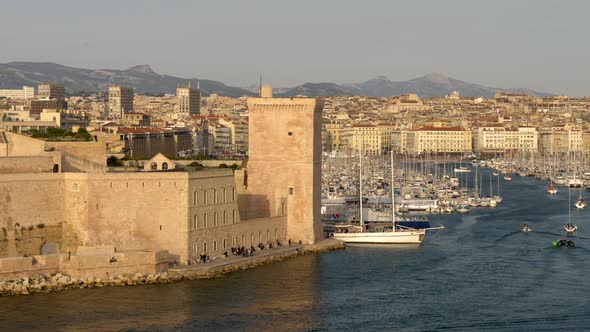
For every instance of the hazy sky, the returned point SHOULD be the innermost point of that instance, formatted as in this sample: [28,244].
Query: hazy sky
[543,45]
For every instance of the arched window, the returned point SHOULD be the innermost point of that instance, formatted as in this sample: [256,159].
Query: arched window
[154,166]
[233,217]
[205,220]
[214,196]
[205,197]
[224,195]
[233,194]
[195,203]
[214,218]
[195,222]
[164,166]
[224,217]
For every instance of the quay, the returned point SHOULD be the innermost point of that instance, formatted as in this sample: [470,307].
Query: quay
[221,266]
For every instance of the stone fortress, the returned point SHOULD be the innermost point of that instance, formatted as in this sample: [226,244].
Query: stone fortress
[63,210]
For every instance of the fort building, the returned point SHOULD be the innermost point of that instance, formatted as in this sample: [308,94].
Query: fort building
[284,165]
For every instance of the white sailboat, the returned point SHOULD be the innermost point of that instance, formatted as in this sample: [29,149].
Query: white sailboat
[395,235]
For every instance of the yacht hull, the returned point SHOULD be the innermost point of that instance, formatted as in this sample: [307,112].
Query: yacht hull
[399,237]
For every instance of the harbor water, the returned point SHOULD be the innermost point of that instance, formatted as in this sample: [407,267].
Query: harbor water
[480,273]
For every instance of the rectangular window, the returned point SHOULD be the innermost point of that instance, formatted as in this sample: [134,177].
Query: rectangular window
[204,247]
[214,245]
[291,190]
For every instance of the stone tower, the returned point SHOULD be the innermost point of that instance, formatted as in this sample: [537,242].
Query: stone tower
[284,165]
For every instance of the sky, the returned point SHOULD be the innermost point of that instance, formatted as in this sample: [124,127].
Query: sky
[537,44]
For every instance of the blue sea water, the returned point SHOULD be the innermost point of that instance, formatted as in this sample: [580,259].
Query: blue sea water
[480,273]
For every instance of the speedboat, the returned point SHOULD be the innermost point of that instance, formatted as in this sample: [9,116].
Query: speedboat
[507,177]
[580,204]
[570,228]
[526,228]
[464,208]
[551,189]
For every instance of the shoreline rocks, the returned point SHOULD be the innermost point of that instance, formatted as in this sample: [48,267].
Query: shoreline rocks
[48,283]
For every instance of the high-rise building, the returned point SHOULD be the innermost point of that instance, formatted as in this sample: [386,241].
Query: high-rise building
[120,100]
[52,91]
[27,92]
[189,101]
[284,178]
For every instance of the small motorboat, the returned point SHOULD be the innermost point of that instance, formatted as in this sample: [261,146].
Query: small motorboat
[464,208]
[580,204]
[507,177]
[551,190]
[570,228]
[526,228]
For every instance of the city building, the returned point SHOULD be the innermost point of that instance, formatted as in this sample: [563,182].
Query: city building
[188,101]
[452,140]
[37,106]
[239,134]
[51,91]
[27,92]
[560,139]
[120,101]
[135,119]
[499,139]
[364,137]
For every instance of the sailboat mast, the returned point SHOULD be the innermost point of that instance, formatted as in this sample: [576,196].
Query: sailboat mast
[361,186]
[392,193]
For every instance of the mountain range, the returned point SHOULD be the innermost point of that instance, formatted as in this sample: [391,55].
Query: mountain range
[144,80]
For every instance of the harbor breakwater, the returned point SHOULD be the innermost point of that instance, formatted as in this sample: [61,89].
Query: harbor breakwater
[56,282]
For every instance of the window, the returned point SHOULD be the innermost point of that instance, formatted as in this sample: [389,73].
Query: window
[214,196]
[195,222]
[75,187]
[204,247]
[224,195]
[215,218]
[164,166]
[195,248]
[195,198]
[291,190]
[214,245]
[154,166]
[233,194]
[233,242]
[205,220]
[224,217]
[234,219]
[290,133]
[205,197]
[224,244]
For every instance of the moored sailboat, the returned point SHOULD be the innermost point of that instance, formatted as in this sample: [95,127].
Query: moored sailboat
[397,235]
